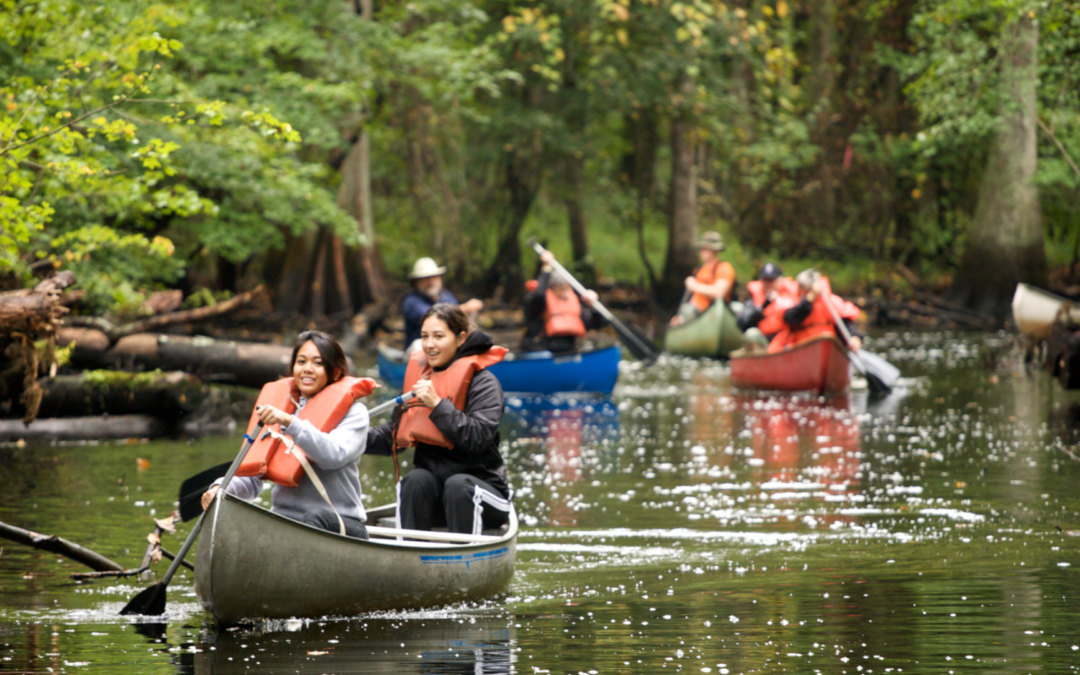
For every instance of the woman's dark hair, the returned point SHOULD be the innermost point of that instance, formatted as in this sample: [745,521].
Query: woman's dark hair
[455,319]
[333,357]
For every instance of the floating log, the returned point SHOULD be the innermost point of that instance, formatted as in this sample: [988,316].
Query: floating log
[167,395]
[83,428]
[244,363]
[60,546]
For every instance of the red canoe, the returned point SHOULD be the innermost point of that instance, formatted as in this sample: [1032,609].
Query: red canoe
[820,364]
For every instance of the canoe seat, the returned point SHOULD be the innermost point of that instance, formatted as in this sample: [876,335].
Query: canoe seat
[391,521]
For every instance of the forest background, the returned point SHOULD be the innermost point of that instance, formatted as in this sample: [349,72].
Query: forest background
[320,147]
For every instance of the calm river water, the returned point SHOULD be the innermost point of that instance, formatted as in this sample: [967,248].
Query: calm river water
[680,526]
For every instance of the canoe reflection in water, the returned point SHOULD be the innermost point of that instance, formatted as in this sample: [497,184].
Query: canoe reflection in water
[405,644]
[564,427]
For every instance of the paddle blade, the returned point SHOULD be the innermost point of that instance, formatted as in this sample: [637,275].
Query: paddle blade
[192,489]
[879,368]
[149,602]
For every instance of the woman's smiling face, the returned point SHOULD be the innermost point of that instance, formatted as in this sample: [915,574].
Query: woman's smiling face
[440,345]
[308,370]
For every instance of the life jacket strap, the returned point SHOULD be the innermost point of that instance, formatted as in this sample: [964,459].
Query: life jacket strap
[289,447]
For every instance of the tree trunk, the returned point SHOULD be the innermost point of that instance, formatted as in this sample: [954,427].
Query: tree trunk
[522,184]
[1005,245]
[682,226]
[575,214]
[639,168]
[354,196]
[296,272]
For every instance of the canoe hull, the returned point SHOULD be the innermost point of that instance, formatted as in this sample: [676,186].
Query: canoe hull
[254,564]
[715,333]
[593,372]
[820,365]
[1035,311]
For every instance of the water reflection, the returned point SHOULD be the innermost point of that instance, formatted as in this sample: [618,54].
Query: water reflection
[415,643]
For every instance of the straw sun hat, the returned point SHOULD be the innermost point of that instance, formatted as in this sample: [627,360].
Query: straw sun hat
[426,267]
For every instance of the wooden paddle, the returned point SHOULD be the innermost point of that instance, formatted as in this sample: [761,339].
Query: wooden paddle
[151,601]
[880,374]
[638,346]
[192,489]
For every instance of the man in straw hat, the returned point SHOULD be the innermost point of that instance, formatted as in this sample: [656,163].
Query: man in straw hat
[714,280]
[427,290]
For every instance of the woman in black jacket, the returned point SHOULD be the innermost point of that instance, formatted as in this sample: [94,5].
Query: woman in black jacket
[459,479]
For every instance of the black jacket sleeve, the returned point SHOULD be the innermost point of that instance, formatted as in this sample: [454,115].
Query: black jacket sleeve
[380,439]
[471,430]
[797,314]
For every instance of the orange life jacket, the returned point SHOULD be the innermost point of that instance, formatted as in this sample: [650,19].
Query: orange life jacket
[818,322]
[415,425]
[785,286]
[709,274]
[563,315]
[266,458]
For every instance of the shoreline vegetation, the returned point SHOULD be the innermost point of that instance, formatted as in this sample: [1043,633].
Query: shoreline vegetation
[237,171]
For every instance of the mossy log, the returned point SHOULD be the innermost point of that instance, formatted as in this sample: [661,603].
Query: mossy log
[164,395]
[247,364]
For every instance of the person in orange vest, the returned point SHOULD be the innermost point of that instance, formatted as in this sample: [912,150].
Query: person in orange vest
[714,280]
[810,316]
[328,424]
[760,319]
[555,315]
[458,479]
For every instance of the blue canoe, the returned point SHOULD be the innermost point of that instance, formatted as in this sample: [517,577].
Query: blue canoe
[535,373]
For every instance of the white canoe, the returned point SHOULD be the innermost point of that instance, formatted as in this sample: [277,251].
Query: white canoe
[1035,310]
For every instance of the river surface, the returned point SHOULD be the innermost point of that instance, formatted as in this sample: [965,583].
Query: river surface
[678,527]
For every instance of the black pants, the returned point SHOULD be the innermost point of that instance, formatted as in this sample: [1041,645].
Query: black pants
[425,502]
[324,519]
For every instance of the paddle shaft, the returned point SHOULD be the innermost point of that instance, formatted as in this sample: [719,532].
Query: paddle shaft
[392,403]
[599,306]
[842,327]
[198,524]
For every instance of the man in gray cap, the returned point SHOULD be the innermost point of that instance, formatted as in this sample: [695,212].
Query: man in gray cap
[427,289]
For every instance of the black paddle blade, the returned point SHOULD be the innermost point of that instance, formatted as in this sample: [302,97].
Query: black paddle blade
[149,602]
[191,490]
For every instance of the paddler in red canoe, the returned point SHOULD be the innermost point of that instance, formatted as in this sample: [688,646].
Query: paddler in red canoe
[762,317]
[315,431]
[459,479]
[810,316]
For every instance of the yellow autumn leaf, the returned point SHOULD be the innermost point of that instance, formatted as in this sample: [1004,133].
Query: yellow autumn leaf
[781,9]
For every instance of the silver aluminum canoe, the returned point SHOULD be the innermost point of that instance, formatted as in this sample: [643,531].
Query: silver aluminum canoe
[254,564]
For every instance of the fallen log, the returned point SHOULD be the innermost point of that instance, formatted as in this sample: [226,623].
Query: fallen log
[37,310]
[60,546]
[166,395]
[115,333]
[105,427]
[247,364]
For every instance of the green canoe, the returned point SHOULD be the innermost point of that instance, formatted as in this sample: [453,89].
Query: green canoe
[713,333]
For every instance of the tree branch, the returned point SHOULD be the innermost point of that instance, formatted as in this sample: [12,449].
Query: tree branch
[55,544]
